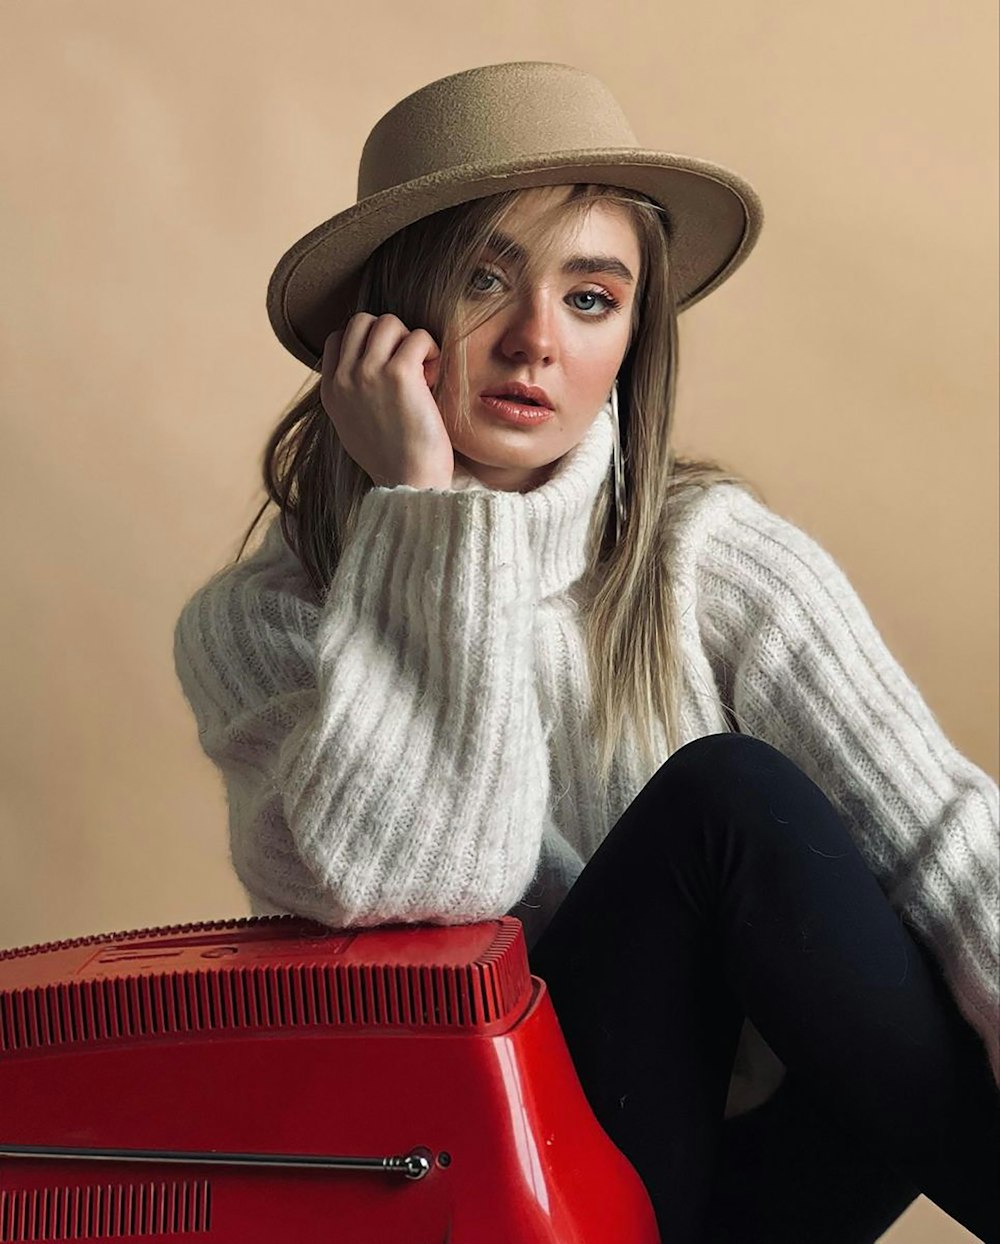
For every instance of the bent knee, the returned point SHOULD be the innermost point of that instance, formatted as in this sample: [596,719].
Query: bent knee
[739,773]
[728,749]
[737,768]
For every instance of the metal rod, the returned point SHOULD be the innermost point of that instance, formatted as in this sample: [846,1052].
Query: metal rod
[414,1164]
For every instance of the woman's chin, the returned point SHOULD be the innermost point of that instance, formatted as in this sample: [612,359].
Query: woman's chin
[501,473]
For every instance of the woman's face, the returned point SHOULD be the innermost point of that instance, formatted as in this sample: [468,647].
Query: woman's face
[562,334]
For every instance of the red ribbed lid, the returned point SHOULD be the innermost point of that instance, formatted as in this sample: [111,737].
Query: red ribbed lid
[263,972]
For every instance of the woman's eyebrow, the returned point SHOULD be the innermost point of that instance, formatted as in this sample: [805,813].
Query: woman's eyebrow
[588,264]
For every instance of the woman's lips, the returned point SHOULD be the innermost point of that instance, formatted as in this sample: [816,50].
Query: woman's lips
[516,412]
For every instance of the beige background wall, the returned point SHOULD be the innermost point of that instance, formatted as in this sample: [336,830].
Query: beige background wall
[158,157]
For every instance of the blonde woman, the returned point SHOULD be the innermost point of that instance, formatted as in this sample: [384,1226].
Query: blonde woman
[502,651]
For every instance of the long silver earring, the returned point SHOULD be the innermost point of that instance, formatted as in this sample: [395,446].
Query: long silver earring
[621,512]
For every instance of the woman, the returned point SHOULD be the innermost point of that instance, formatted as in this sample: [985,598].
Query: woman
[495,658]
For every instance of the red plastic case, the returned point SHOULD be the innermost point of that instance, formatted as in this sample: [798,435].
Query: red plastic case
[215,1081]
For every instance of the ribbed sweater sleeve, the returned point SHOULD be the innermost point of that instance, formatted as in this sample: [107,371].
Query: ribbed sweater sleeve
[383,752]
[799,659]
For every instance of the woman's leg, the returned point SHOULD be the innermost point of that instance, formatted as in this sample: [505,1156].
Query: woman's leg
[788,1172]
[730,887]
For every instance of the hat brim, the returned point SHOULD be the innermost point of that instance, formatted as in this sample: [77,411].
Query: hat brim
[713,218]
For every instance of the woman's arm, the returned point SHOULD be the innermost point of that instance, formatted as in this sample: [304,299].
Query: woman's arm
[798,657]
[383,752]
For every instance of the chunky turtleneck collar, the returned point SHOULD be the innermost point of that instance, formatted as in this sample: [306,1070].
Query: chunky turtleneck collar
[558,512]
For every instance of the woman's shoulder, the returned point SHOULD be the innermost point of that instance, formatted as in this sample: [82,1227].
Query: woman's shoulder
[702,513]
[727,518]
[269,563]
[728,540]
[247,633]
[735,555]
[267,582]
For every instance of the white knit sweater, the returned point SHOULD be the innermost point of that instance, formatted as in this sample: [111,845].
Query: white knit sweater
[410,748]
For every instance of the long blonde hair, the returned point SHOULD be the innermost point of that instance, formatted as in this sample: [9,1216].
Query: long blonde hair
[422,274]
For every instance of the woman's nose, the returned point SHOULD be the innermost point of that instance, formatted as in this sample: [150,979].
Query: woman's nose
[531,329]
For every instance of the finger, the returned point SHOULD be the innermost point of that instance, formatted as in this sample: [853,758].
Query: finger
[354,335]
[383,340]
[331,351]
[417,347]
[419,351]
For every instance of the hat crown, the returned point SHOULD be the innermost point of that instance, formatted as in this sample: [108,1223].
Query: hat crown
[490,115]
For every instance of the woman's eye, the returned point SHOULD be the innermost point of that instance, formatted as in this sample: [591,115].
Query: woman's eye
[588,293]
[483,272]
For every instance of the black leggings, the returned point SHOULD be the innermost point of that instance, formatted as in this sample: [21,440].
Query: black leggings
[731,888]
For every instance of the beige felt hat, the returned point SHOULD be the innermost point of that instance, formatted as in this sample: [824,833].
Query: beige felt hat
[495,128]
